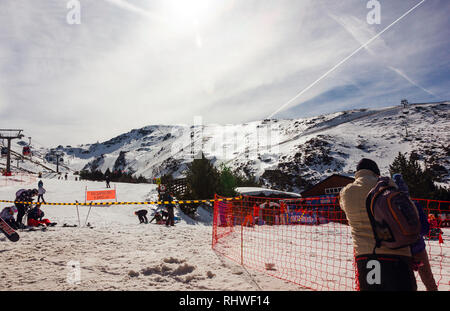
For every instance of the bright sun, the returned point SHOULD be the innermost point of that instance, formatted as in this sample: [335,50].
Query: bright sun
[187,11]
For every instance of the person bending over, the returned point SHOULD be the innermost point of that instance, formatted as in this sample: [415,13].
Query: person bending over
[142,215]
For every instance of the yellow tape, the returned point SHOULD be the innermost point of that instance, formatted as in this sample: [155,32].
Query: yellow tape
[126,203]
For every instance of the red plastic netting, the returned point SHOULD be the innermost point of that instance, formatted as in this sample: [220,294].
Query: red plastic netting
[308,241]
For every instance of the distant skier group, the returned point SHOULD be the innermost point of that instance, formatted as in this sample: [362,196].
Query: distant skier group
[164,214]
[23,206]
[61,177]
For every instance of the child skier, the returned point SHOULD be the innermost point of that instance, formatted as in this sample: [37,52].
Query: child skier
[160,216]
[142,215]
[41,192]
[7,214]
[419,253]
[35,218]
[170,217]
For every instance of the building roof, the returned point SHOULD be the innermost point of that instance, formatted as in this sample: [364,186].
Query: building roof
[350,179]
[258,191]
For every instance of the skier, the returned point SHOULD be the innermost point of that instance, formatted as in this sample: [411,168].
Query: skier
[41,191]
[35,216]
[262,212]
[283,213]
[170,217]
[7,214]
[24,195]
[419,253]
[247,216]
[435,231]
[160,216]
[142,215]
[269,212]
[107,179]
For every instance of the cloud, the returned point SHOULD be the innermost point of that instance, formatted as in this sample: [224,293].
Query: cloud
[362,33]
[135,63]
[402,74]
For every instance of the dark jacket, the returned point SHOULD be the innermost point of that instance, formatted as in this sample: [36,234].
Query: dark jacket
[141,212]
[424,224]
[425,228]
[25,196]
[35,213]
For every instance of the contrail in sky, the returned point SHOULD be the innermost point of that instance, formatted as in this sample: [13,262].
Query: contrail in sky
[282,107]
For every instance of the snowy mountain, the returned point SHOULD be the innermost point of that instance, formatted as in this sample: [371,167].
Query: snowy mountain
[285,154]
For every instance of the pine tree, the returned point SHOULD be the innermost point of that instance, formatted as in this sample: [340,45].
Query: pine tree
[247,181]
[202,179]
[420,181]
[227,182]
[400,166]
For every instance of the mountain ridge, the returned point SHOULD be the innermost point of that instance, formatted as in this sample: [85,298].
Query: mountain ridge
[287,154]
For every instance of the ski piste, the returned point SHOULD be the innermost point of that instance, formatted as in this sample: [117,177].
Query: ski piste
[9,232]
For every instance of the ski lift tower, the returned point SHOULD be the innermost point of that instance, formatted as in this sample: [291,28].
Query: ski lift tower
[58,154]
[404,103]
[10,134]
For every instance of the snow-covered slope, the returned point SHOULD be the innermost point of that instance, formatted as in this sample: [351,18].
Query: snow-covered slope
[118,253]
[285,154]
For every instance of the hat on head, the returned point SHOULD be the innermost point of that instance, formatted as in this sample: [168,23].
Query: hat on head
[367,164]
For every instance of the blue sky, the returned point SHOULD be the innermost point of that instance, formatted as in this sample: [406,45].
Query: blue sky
[135,63]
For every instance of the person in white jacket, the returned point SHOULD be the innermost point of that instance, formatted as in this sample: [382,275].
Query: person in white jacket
[41,192]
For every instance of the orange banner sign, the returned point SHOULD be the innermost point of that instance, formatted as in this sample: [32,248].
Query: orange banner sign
[100,195]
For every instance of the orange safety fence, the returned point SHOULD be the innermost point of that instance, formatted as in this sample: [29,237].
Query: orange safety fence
[308,241]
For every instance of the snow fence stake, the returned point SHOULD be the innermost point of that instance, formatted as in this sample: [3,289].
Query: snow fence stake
[78,213]
[90,206]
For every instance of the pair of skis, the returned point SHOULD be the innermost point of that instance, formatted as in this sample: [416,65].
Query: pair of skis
[11,234]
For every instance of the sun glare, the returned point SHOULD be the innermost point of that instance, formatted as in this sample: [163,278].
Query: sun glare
[187,11]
